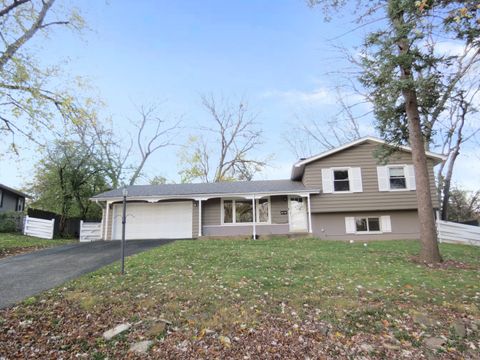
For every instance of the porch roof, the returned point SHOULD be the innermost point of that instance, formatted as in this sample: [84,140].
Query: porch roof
[281,187]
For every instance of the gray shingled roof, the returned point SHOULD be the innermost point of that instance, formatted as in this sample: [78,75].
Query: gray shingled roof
[237,187]
[17,192]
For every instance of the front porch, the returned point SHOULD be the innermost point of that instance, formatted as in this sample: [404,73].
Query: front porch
[254,215]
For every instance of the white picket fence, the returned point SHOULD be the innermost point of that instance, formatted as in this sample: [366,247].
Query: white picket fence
[454,233]
[90,231]
[39,227]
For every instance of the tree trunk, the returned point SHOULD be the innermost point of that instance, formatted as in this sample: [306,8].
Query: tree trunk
[428,231]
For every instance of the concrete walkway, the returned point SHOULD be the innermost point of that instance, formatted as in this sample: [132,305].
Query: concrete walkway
[29,274]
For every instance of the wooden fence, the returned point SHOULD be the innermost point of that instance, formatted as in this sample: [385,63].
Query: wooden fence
[454,233]
[90,231]
[39,227]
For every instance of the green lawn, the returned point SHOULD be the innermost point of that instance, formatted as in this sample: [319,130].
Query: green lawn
[268,297]
[11,244]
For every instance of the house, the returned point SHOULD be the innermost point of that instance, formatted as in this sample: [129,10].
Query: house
[11,199]
[341,194]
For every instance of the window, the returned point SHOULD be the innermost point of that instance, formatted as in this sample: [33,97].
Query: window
[397,177]
[262,210]
[1,198]
[340,180]
[228,211]
[241,211]
[367,224]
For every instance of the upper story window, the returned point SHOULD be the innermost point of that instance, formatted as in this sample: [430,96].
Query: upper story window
[1,198]
[396,178]
[241,211]
[340,180]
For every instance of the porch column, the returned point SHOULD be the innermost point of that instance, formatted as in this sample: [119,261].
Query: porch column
[309,215]
[254,218]
[199,217]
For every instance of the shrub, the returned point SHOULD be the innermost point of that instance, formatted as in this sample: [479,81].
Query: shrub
[11,221]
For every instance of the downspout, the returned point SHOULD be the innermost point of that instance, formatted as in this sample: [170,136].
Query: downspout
[200,218]
[254,219]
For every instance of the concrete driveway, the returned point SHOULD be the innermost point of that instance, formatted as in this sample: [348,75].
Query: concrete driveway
[26,275]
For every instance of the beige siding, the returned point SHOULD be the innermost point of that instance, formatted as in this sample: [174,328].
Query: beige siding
[279,204]
[370,199]
[211,212]
[109,223]
[405,226]
[195,210]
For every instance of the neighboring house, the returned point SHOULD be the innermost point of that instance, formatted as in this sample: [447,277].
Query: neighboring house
[11,199]
[339,194]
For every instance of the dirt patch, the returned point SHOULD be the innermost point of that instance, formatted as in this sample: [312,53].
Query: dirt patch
[19,251]
[446,264]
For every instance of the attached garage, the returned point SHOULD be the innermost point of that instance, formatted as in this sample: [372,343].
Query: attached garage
[164,220]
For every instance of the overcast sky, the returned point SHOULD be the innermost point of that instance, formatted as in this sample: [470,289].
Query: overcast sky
[279,55]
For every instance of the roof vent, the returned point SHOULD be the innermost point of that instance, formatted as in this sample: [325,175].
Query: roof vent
[301,159]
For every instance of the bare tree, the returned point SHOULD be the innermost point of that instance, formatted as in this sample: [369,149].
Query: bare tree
[223,151]
[310,136]
[153,134]
[455,133]
[123,158]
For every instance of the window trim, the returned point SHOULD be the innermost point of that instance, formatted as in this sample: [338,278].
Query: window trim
[234,218]
[347,169]
[404,167]
[343,168]
[368,231]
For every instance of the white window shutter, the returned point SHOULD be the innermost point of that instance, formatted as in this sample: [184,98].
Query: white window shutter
[383,178]
[327,181]
[385,223]
[355,177]
[350,227]
[410,177]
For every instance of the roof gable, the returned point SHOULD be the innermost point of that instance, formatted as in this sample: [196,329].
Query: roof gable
[298,167]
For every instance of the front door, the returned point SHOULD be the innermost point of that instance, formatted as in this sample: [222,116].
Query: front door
[297,210]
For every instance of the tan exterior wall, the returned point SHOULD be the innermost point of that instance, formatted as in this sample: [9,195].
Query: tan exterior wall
[211,214]
[195,214]
[405,226]
[245,230]
[109,223]
[362,156]
[279,204]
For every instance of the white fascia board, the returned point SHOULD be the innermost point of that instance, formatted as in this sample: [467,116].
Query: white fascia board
[359,141]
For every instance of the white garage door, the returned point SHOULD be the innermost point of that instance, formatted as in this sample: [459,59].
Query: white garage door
[168,220]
